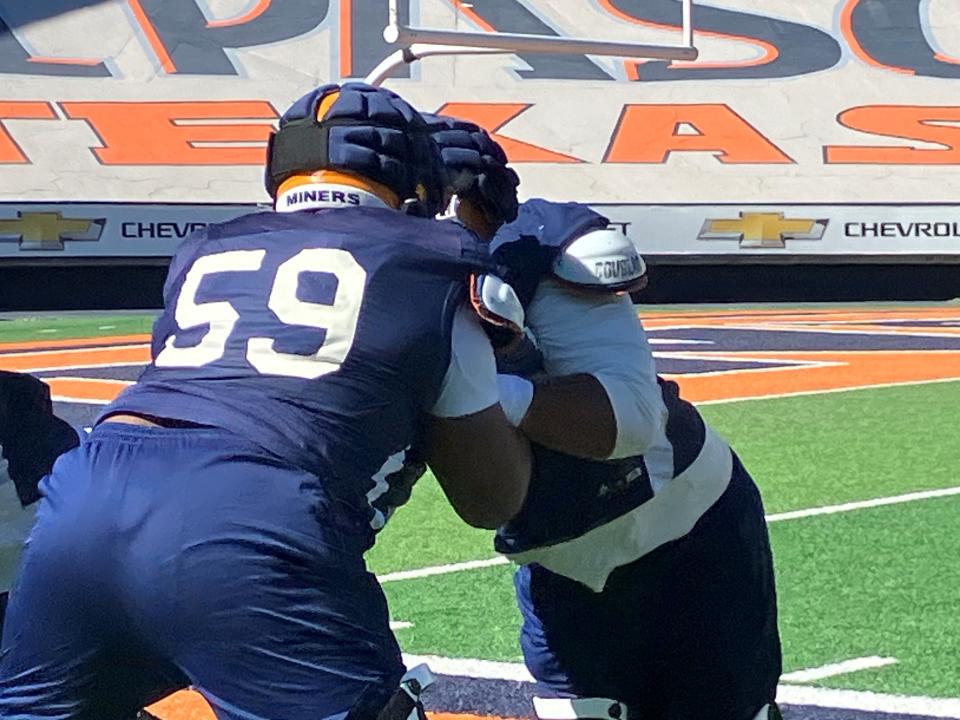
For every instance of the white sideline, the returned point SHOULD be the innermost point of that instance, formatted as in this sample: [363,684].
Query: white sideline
[786,694]
[864,504]
[869,701]
[838,668]
[776,517]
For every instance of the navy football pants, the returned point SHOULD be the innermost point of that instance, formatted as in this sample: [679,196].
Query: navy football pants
[687,632]
[163,558]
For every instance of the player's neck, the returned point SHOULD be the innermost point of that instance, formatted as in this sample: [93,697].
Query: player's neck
[317,196]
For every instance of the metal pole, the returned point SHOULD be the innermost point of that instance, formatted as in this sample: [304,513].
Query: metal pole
[688,23]
[513,42]
[381,72]
[394,17]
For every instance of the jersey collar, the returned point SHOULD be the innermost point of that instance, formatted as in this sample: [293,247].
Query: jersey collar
[317,196]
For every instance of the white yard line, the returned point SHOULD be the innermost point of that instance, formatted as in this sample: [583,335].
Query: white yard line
[864,504]
[441,569]
[466,667]
[678,341]
[869,701]
[400,625]
[786,694]
[838,668]
[775,517]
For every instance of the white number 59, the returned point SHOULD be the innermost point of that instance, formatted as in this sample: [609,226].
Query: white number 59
[339,318]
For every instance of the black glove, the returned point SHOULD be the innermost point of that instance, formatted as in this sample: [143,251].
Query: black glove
[476,167]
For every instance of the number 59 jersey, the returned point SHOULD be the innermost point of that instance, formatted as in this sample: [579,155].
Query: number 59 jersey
[321,336]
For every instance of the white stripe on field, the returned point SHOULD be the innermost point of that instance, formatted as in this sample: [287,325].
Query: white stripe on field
[869,701]
[400,625]
[466,667]
[441,569]
[837,668]
[776,517]
[786,694]
[864,504]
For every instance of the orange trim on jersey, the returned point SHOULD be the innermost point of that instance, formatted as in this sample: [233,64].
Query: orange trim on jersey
[252,14]
[150,32]
[770,52]
[846,29]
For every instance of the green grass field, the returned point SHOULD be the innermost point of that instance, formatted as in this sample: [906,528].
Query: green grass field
[877,581]
[29,328]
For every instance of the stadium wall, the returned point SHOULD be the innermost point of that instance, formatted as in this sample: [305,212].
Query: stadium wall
[809,134]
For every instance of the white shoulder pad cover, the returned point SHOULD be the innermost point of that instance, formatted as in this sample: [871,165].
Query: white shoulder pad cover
[497,303]
[601,259]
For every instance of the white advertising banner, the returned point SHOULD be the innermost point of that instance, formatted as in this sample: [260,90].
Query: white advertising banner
[822,103]
[674,233]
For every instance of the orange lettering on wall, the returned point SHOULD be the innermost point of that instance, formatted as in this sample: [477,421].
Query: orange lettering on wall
[906,122]
[10,152]
[178,133]
[493,116]
[649,133]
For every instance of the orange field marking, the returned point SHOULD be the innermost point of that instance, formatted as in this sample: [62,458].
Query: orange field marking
[773,318]
[853,369]
[88,390]
[184,705]
[190,705]
[868,329]
[74,342]
[83,357]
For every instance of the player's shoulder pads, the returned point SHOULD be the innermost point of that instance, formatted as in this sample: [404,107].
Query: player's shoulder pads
[605,260]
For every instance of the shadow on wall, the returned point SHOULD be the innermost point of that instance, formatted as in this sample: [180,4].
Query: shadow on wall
[17,13]
[135,287]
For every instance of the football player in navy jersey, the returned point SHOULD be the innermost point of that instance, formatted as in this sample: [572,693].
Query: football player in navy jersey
[210,531]
[646,582]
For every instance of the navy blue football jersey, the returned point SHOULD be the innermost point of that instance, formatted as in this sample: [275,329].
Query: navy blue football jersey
[322,336]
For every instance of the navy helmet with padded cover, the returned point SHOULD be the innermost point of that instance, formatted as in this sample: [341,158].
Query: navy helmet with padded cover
[476,166]
[367,131]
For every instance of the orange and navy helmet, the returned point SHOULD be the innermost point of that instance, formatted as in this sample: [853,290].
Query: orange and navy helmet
[359,135]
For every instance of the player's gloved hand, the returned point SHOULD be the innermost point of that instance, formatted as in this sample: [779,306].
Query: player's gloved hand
[526,248]
[499,308]
[476,167]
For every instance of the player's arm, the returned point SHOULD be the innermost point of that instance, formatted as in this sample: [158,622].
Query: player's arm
[600,399]
[480,459]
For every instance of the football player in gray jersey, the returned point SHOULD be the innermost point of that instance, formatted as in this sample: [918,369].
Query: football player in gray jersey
[646,580]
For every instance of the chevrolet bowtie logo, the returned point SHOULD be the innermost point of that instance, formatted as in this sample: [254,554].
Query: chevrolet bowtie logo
[48,230]
[763,230]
